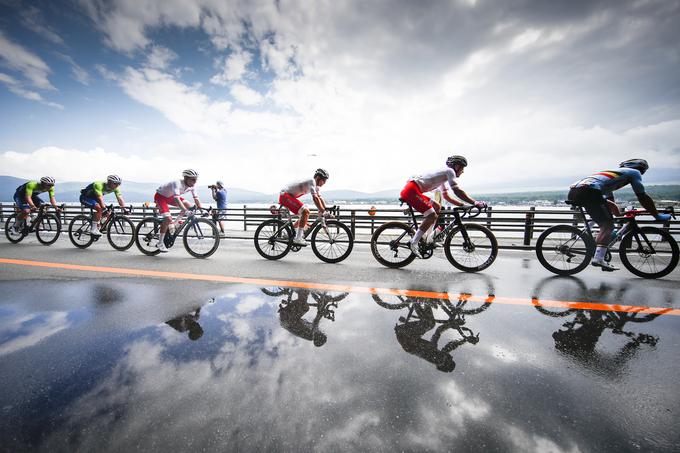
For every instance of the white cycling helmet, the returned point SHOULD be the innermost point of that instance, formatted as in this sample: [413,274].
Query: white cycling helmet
[114,179]
[47,180]
[189,173]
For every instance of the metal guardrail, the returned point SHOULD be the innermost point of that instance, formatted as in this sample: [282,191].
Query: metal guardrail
[523,225]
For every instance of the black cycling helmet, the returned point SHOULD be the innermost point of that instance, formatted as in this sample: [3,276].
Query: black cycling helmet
[638,164]
[456,160]
[321,173]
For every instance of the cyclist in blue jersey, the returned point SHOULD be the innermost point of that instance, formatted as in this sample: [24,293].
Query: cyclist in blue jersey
[92,196]
[595,194]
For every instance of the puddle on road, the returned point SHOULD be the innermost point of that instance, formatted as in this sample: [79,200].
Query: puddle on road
[113,365]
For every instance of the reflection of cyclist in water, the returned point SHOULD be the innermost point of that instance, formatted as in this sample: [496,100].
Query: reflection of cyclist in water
[296,305]
[188,323]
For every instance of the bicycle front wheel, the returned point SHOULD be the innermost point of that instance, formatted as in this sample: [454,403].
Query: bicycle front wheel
[48,229]
[564,249]
[390,244]
[649,252]
[476,253]
[12,236]
[79,231]
[147,234]
[333,243]
[201,238]
[273,239]
[121,233]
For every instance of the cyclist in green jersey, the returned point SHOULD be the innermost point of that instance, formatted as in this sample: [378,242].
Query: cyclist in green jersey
[93,197]
[27,198]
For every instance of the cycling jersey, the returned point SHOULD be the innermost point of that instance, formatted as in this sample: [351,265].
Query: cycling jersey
[610,180]
[175,188]
[98,189]
[298,189]
[438,179]
[33,187]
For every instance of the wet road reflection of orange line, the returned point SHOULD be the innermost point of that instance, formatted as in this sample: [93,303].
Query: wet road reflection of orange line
[343,288]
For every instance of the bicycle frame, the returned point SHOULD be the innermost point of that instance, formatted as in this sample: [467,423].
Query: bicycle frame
[289,222]
[457,221]
[629,226]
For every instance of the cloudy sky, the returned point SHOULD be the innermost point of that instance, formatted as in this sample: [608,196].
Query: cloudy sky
[259,92]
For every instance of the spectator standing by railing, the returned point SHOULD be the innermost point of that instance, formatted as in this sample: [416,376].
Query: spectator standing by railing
[219,194]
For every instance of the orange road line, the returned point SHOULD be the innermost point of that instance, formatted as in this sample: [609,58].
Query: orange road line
[343,288]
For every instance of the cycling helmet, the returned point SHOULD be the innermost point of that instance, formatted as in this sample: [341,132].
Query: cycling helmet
[638,164]
[47,180]
[114,179]
[189,173]
[321,173]
[453,160]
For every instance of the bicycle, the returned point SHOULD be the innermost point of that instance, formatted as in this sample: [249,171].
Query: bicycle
[199,234]
[331,240]
[646,251]
[46,226]
[468,246]
[120,231]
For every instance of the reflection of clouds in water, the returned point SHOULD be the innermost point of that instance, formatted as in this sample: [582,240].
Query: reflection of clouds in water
[503,354]
[32,329]
[150,400]
[250,303]
[525,442]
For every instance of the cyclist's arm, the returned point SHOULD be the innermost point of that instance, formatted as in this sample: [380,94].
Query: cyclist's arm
[197,202]
[319,202]
[53,202]
[647,203]
[450,199]
[121,202]
[100,199]
[460,193]
[179,203]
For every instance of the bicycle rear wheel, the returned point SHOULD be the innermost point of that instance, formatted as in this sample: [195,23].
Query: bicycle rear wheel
[474,255]
[13,237]
[201,238]
[273,239]
[79,231]
[147,234]
[48,229]
[564,249]
[390,244]
[649,252]
[333,245]
[121,233]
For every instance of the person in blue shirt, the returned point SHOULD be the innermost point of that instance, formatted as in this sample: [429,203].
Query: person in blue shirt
[219,194]
[595,194]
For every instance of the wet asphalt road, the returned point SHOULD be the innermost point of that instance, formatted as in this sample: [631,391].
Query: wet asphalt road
[103,362]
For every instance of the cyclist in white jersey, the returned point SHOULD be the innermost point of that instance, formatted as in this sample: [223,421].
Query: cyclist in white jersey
[171,194]
[444,180]
[289,198]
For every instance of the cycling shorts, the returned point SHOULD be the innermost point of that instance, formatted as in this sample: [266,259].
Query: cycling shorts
[163,202]
[89,202]
[412,195]
[290,202]
[593,202]
[20,200]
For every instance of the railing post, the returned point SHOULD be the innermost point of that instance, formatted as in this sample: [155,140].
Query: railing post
[529,225]
[245,219]
[488,217]
[353,223]
[2,213]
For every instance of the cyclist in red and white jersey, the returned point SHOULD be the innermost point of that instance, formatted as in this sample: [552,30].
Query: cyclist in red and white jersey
[171,194]
[289,198]
[445,180]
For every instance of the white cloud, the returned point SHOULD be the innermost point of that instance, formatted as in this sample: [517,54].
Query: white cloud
[17,88]
[30,330]
[160,57]
[233,68]
[78,73]
[33,19]
[245,95]
[31,66]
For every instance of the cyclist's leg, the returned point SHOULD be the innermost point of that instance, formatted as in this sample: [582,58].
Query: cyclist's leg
[92,204]
[298,208]
[596,206]
[24,208]
[162,203]
[421,203]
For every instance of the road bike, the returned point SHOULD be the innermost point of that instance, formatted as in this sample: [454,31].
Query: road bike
[646,251]
[199,234]
[46,226]
[468,246]
[331,240]
[119,229]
